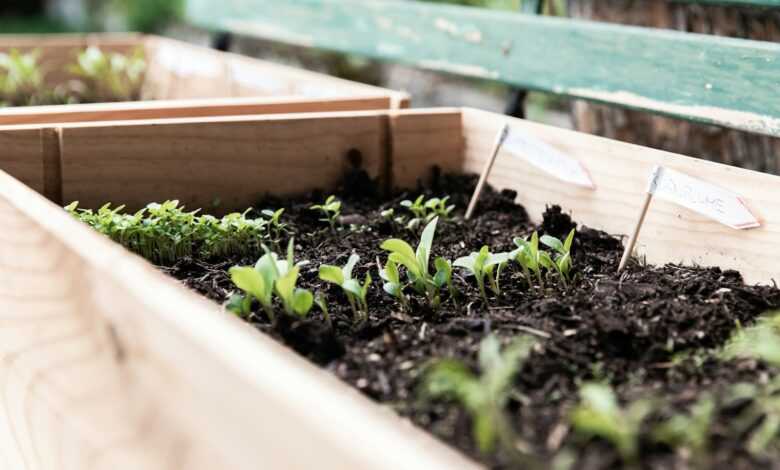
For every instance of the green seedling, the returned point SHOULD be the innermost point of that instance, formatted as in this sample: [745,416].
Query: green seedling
[272,275]
[164,233]
[240,304]
[484,265]
[600,415]
[562,249]
[443,276]
[21,78]
[392,282]
[424,211]
[760,421]
[483,396]
[276,228]
[531,259]
[356,293]
[416,262]
[330,210]
[690,431]
[109,76]
[760,341]
[322,302]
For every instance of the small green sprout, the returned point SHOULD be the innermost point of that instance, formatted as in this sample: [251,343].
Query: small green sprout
[423,211]
[600,415]
[392,281]
[109,76]
[322,302]
[484,265]
[690,431]
[531,258]
[562,249]
[760,341]
[356,293]
[416,262]
[443,276]
[331,210]
[276,227]
[483,396]
[240,304]
[273,275]
[21,78]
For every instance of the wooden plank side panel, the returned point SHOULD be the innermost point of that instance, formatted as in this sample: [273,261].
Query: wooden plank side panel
[620,172]
[184,109]
[729,82]
[235,161]
[22,156]
[113,366]
[422,139]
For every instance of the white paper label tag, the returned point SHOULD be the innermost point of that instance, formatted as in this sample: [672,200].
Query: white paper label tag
[547,158]
[185,63]
[704,198]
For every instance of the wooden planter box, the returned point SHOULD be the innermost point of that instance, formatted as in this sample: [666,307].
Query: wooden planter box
[184,80]
[108,364]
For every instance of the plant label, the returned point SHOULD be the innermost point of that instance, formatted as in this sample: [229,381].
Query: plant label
[701,197]
[547,158]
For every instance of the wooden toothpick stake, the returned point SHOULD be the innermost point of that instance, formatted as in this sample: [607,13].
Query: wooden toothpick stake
[654,178]
[500,138]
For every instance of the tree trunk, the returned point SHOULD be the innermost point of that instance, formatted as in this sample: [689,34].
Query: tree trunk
[708,142]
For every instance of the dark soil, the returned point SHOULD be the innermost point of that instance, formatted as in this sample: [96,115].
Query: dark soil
[648,332]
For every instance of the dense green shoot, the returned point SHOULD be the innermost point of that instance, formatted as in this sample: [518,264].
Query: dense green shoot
[485,266]
[483,396]
[355,291]
[330,210]
[109,76]
[531,258]
[562,249]
[276,228]
[422,212]
[164,233]
[393,284]
[760,341]
[600,415]
[416,262]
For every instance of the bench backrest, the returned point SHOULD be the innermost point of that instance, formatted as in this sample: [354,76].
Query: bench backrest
[709,79]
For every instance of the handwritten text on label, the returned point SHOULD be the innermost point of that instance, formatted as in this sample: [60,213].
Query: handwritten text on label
[547,158]
[704,198]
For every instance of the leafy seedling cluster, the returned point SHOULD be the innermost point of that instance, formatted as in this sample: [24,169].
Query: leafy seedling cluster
[421,211]
[164,233]
[98,76]
[330,211]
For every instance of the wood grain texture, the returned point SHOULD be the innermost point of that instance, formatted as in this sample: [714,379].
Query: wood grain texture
[186,108]
[723,81]
[97,372]
[235,160]
[22,156]
[620,171]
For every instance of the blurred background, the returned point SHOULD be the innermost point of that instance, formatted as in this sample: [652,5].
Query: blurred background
[437,89]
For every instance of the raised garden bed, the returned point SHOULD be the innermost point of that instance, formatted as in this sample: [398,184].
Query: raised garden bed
[114,334]
[178,80]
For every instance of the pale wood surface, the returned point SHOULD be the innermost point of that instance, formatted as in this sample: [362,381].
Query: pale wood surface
[234,160]
[169,109]
[100,370]
[620,171]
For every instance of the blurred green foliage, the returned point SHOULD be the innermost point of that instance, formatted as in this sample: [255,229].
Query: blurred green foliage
[32,24]
[500,4]
[149,16]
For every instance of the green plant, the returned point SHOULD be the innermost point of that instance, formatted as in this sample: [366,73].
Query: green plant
[393,284]
[483,396]
[109,76]
[443,276]
[330,209]
[484,265]
[416,262]
[690,431]
[355,292]
[600,415]
[22,79]
[272,275]
[759,423]
[760,341]
[322,302]
[531,259]
[276,228]
[424,211]
[562,261]
[164,233]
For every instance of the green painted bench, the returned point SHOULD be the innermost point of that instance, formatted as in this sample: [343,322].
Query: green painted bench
[708,79]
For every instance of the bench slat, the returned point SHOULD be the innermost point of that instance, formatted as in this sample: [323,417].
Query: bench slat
[723,81]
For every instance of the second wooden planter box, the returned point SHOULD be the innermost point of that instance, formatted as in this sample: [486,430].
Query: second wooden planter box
[183,80]
[108,363]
